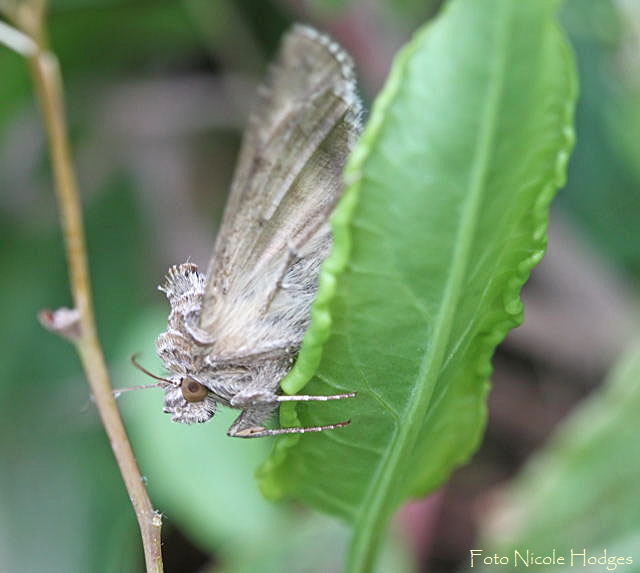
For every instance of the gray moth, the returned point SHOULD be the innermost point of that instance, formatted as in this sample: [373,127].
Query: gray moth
[234,332]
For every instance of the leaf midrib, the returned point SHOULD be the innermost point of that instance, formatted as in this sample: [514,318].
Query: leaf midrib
[377,502]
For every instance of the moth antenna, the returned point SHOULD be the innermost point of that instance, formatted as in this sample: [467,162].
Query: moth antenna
[134,361]
[160,384]
[118,391]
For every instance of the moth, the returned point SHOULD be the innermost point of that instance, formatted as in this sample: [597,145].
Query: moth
[234,332]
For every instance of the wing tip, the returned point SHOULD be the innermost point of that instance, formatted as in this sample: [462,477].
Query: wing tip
[347,89]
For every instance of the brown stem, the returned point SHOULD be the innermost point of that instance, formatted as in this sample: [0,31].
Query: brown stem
[48,83]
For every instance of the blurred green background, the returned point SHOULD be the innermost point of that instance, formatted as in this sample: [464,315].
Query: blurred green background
[157,97]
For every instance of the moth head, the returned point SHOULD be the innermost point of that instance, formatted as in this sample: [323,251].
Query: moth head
[188,401]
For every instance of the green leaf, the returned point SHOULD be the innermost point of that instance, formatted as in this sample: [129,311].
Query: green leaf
[582,491]
[445,218]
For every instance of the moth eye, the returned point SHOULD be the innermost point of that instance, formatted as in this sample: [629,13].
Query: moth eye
[193,391]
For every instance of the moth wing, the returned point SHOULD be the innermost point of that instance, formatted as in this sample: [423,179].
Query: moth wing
[275,229]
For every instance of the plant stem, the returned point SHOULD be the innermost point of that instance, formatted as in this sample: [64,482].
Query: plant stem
[48,84]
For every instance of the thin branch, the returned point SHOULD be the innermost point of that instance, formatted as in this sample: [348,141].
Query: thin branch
[48,84]
[17,41]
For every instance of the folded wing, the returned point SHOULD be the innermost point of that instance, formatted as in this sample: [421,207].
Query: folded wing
[264,271]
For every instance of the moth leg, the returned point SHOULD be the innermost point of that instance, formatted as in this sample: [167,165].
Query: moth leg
[317,398]
[257,405]
[251,397]
[246,427]
[255,399]
[250,421]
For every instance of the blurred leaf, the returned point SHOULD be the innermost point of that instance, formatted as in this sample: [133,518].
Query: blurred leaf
[602,192]
[595,21]
[62,509]
[64,506]
[223,27]
[582,491]
[116,243]
[464,150]
[423,9]
[316,544]
[14,87]
[83,37]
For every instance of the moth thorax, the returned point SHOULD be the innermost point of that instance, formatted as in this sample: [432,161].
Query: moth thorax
[193,391]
